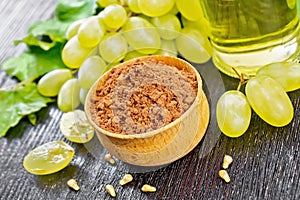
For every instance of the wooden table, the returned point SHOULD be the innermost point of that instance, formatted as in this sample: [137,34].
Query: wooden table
[266,159]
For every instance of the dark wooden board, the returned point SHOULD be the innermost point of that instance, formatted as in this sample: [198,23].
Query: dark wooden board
[266,159]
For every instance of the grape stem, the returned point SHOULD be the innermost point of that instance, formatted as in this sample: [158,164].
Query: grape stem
[19,84]
[130,14]
[74,72]
[241,77]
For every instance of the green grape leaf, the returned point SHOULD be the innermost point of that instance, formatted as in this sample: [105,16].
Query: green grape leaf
[52,28]
[34,41]
[34,63]
[72,10]
[16,104]
[67,11]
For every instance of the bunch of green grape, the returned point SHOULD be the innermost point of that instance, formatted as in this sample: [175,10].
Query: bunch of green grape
[266,94]
[123,30]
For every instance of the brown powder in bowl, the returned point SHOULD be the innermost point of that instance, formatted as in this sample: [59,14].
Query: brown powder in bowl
[142,97]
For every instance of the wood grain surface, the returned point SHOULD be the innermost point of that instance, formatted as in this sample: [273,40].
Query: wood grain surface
[266,159]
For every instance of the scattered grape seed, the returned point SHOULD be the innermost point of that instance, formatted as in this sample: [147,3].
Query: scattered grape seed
[126,179]
[224,175]
[227,161]
[109,159]
[110,190]
[148,188]
[72,183]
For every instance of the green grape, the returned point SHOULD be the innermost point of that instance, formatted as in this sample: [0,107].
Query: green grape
[50,84]
[114,16]
[154,8]
[133,54]
[270,102]
[75,127]
[90,32]
[48,158]
[68,96]
[233,113]
[168,26]
[82,95]
[190,9]
[73,28]
[134,6]
[113,47]
[104,3]
[167,48]
[285,73]
[193,46]
[91,69]
[141,35]
[73,54]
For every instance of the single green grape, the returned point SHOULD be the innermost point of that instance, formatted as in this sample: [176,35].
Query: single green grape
[73,53]
[113,47]
[270,102]
[90,32]
[154,8]
[91,69]
[50,84]
[233,113]
[134,6]
[167,48]
[168,26]
[285,73]
[190,9]
[68,96]
[73,28]
[193,46]
[75,127]
[114,16]
[48,158]
[141,35]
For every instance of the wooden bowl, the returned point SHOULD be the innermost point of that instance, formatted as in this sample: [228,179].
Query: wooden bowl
[166,144]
